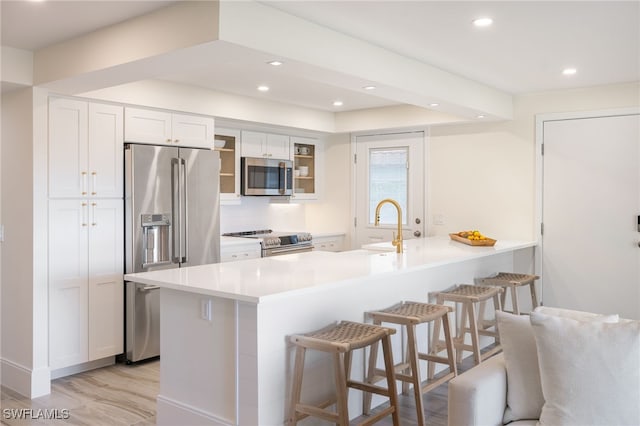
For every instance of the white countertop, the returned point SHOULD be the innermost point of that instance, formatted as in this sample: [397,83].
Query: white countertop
[257,280]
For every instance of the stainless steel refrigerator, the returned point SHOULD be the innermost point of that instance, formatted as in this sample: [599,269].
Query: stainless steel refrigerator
[171,220]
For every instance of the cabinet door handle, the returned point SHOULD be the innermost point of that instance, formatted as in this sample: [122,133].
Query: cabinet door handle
[84,182]
[94,176]
[84,214]
[168,140]
[177,141]
[93,214]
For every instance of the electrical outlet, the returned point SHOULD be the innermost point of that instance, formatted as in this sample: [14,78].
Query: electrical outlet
[206,309]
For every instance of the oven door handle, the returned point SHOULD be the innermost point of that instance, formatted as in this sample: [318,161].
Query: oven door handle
[273,251]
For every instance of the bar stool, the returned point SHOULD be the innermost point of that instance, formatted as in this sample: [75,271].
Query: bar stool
[410,314]
[511,281]
[469,296]
[340,340]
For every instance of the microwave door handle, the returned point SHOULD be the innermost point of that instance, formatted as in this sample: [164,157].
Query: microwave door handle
[283,178]
[175,209]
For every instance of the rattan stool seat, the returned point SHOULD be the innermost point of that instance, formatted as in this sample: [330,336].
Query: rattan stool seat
[341,340]
[343,337]
[511,280]
[467,292]
[409,315]
[411,312]
[468,296]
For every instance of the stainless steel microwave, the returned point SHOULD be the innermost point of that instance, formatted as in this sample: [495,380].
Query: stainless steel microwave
[266,176]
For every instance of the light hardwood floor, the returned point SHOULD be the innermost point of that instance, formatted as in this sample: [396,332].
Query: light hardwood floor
[111,396]
[126,395]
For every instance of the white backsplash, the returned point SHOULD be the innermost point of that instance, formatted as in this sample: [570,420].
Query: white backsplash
[260,213]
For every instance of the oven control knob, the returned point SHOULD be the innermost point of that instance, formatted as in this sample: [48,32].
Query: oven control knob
[272,242]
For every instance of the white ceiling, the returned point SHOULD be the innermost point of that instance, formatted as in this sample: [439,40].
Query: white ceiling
[525,50]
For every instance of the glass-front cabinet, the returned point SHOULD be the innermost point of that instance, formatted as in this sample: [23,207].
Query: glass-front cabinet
[307,155]
[227,142]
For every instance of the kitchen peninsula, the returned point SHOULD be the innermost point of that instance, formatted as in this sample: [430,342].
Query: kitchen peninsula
[225,357]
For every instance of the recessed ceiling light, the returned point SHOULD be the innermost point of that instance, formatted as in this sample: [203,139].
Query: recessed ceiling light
[479,116]
[337,103]
[369,87]
[434,104]
[482,22]
[569,71]
[275,63]
[263,88]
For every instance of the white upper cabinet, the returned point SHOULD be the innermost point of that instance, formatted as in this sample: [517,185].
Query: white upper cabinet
[258,144]
[229,165]
[308,166]
[85,149]
[167,128]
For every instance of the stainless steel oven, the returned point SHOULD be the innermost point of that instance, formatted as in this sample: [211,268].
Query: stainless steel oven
[266,176]
[278,243]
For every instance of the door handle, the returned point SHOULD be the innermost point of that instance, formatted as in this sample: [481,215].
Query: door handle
[417,234]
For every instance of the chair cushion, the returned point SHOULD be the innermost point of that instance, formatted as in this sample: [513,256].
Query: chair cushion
[524,391]
[589,371]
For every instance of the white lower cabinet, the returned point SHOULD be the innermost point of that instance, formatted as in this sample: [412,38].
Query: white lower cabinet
[85,280]
[231,252]
[329,243]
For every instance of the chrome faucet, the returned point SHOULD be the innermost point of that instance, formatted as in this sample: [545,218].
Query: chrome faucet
[397,240]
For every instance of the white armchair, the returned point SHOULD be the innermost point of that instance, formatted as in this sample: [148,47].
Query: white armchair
[557,367]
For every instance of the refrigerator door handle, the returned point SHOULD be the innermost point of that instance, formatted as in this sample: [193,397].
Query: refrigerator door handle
[184,222]
[175,210]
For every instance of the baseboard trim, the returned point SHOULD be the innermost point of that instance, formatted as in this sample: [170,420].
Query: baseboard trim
[85,366]
[171,412]
[25,381]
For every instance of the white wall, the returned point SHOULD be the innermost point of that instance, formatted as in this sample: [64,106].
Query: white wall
[24,293]
[331,213]
[483,175]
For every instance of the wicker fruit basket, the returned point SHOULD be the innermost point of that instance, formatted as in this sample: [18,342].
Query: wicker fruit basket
[487,242]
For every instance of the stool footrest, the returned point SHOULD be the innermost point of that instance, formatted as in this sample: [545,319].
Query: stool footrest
[376,417]
[316,411]
[434,383]
[367,387]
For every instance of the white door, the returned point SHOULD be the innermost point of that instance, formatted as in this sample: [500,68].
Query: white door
[389,166]
[590,208]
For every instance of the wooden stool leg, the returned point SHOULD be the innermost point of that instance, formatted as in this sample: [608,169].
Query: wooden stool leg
[473,329]
[498,307]
[412,349]
[481,314]
[453,367]
[297,385]
[391,378]
[464,313]
[341,389]
[371,373]
[514,300]
[534,298]
[434,349]
[503,298]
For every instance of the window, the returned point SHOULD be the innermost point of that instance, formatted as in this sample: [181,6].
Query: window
[388,177]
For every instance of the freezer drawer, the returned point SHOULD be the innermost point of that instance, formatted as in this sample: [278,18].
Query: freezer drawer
[143,321]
